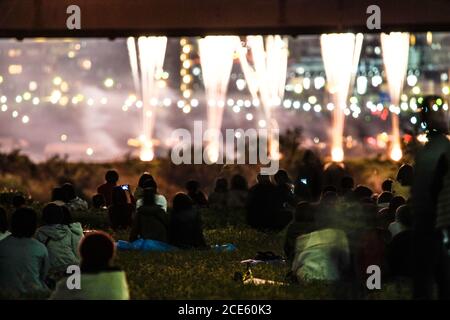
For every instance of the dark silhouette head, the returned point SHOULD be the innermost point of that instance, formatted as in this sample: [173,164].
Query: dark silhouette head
[329,198]
[18,201]
[98,201]
[192,186]
[238,182]
[387,185]
[58,194]
[263,178]
[221,185]
[3,220]
[384,198]
[182,202]
[149,196]
[23,223]
[347,183]
[144,177]
[396,202]
[119,197]
[97,251]
[112,176]
[150,183]
[67,216]
[281,177]
[362,192]
[52,214]
[69,192]
[432,114]
[404,215]
[329,189]
[405,175]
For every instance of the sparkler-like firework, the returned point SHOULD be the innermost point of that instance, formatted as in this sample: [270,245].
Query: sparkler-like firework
[395,48]
[267,79]
[151,59]
[340,54]
[216,59]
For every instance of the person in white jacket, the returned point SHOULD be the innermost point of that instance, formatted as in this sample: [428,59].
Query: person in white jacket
[99,280]
[323,254]
[60,239]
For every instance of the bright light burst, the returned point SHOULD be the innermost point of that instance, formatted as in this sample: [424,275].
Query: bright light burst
[152,51]
[216,59]
[395,47]
[340,54]
[267,79]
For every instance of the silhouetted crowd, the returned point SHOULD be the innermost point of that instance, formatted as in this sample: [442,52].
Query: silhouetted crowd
[333,229]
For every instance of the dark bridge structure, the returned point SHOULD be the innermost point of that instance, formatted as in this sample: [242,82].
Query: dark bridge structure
[119,18]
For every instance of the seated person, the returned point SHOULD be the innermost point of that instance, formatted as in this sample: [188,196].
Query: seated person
[151,221]
[111,178]
[160,200]
[98,204]
[139,192]
[185,226]
[58,196]
[73,202]
[303,223]
[399,250]
[194,192]
[23,260]
[60,239]
[120,211]
[218,198]
[3,224]
[323,254]
[99,280]
[18,201]
[237,196]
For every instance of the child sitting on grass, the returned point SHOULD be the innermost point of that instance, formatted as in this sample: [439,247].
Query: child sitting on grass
[99,279]
[60,239]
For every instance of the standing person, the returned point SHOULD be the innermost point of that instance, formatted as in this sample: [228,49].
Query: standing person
[430,258]
[100,280]
[237,196]
[3,224]
[120,211]
[151,221]
[284,198]
[197,195]
[23,260]
[219,197]
[185,227]
[111,178]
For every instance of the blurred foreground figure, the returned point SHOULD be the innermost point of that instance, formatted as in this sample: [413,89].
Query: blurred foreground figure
[99,279]
[24,261]
[431,252]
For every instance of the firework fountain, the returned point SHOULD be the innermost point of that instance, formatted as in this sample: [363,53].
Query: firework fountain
[216,59]
[395,48]
[145,67]
[340,54]
[267,78]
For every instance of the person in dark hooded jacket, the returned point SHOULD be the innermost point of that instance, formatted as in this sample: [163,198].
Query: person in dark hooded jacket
[186,229]
[151,221]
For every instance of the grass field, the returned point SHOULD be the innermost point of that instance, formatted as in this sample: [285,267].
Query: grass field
[197,274]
